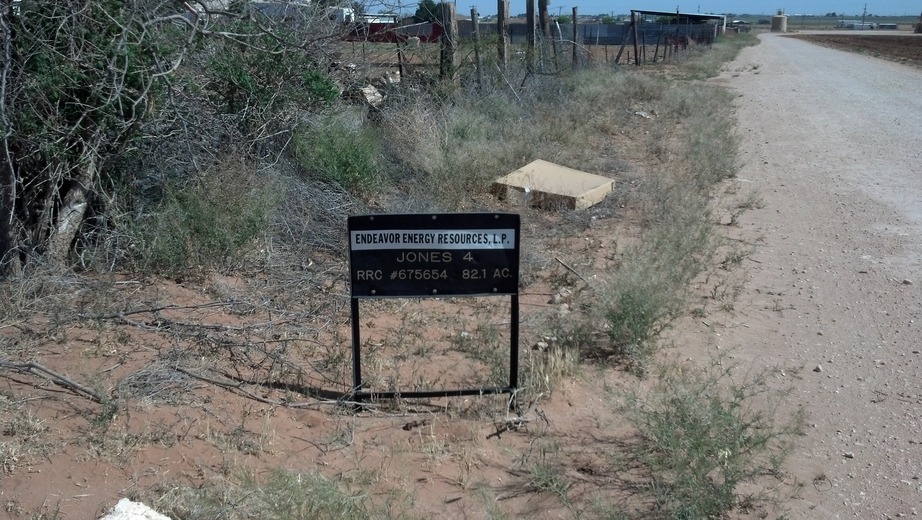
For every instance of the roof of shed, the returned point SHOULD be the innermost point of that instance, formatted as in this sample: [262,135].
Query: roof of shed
[690,16]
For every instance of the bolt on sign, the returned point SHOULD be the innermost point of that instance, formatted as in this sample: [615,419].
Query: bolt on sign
[434,255]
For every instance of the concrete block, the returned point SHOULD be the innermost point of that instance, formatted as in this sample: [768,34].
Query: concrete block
[551,186]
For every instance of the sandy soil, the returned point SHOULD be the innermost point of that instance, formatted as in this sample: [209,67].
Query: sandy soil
[831,306]
[831,140]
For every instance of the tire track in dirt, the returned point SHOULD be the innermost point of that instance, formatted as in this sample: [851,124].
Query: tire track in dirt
[832,142]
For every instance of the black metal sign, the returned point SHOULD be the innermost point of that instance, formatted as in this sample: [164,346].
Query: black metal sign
[434,255]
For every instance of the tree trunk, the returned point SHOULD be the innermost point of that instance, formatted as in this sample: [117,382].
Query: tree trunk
[9,259]
[73,209]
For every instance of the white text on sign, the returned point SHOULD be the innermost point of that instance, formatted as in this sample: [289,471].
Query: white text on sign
[433,239]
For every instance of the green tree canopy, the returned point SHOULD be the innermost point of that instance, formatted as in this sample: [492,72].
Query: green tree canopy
[428,11]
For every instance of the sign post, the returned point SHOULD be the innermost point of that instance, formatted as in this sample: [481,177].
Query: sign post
[434,256]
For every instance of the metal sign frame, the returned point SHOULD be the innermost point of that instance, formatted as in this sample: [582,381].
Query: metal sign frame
[433,256]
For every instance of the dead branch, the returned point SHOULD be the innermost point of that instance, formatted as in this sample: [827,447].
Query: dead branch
[148,310]
[237,386]
[521,418]
[56,378]
[570,269]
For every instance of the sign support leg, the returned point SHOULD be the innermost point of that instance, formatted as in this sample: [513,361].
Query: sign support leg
[356,349]
[514,343]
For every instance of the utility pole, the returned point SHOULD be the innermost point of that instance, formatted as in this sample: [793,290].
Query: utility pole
[863,14]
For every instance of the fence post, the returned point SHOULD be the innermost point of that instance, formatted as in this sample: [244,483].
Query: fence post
[544,18]
[478,62]
[575,38]
[530,42]
[448,42]
[643,46]
[502,29]
[624,35]
[636,50]
[400,67]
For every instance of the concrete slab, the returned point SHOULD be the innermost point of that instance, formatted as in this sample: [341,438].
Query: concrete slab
[550,186]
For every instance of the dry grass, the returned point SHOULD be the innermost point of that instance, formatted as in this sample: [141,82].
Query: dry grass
[251,336]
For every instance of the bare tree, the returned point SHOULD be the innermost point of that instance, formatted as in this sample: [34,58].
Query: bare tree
[85,83]
[7,175]
[76,83]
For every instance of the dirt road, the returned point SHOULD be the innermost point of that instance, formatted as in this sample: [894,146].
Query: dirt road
[832,142]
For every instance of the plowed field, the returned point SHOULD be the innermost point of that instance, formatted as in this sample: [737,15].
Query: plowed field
[903,48]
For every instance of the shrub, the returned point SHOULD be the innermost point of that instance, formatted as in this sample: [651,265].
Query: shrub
[212,223]
[336,153]
[637,301]
[263,81]
[704,434]
[711,146]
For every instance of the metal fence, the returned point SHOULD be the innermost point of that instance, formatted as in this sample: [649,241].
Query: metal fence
[604,34]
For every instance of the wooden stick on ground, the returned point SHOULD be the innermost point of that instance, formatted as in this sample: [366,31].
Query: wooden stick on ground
[56,378]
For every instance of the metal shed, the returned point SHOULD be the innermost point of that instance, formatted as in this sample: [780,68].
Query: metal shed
[681,18]
[682,22]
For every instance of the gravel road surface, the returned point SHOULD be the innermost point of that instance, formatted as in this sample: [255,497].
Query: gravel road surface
[832,142]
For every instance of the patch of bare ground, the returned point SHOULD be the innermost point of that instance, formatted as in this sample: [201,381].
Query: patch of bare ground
[193,381]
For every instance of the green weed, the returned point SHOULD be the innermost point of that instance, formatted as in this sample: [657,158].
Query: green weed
[283,496]
[638,301]
[211,224]
[335,152]
[706,62]
[704,434]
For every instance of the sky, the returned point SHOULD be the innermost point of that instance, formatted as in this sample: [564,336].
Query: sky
[851,8]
